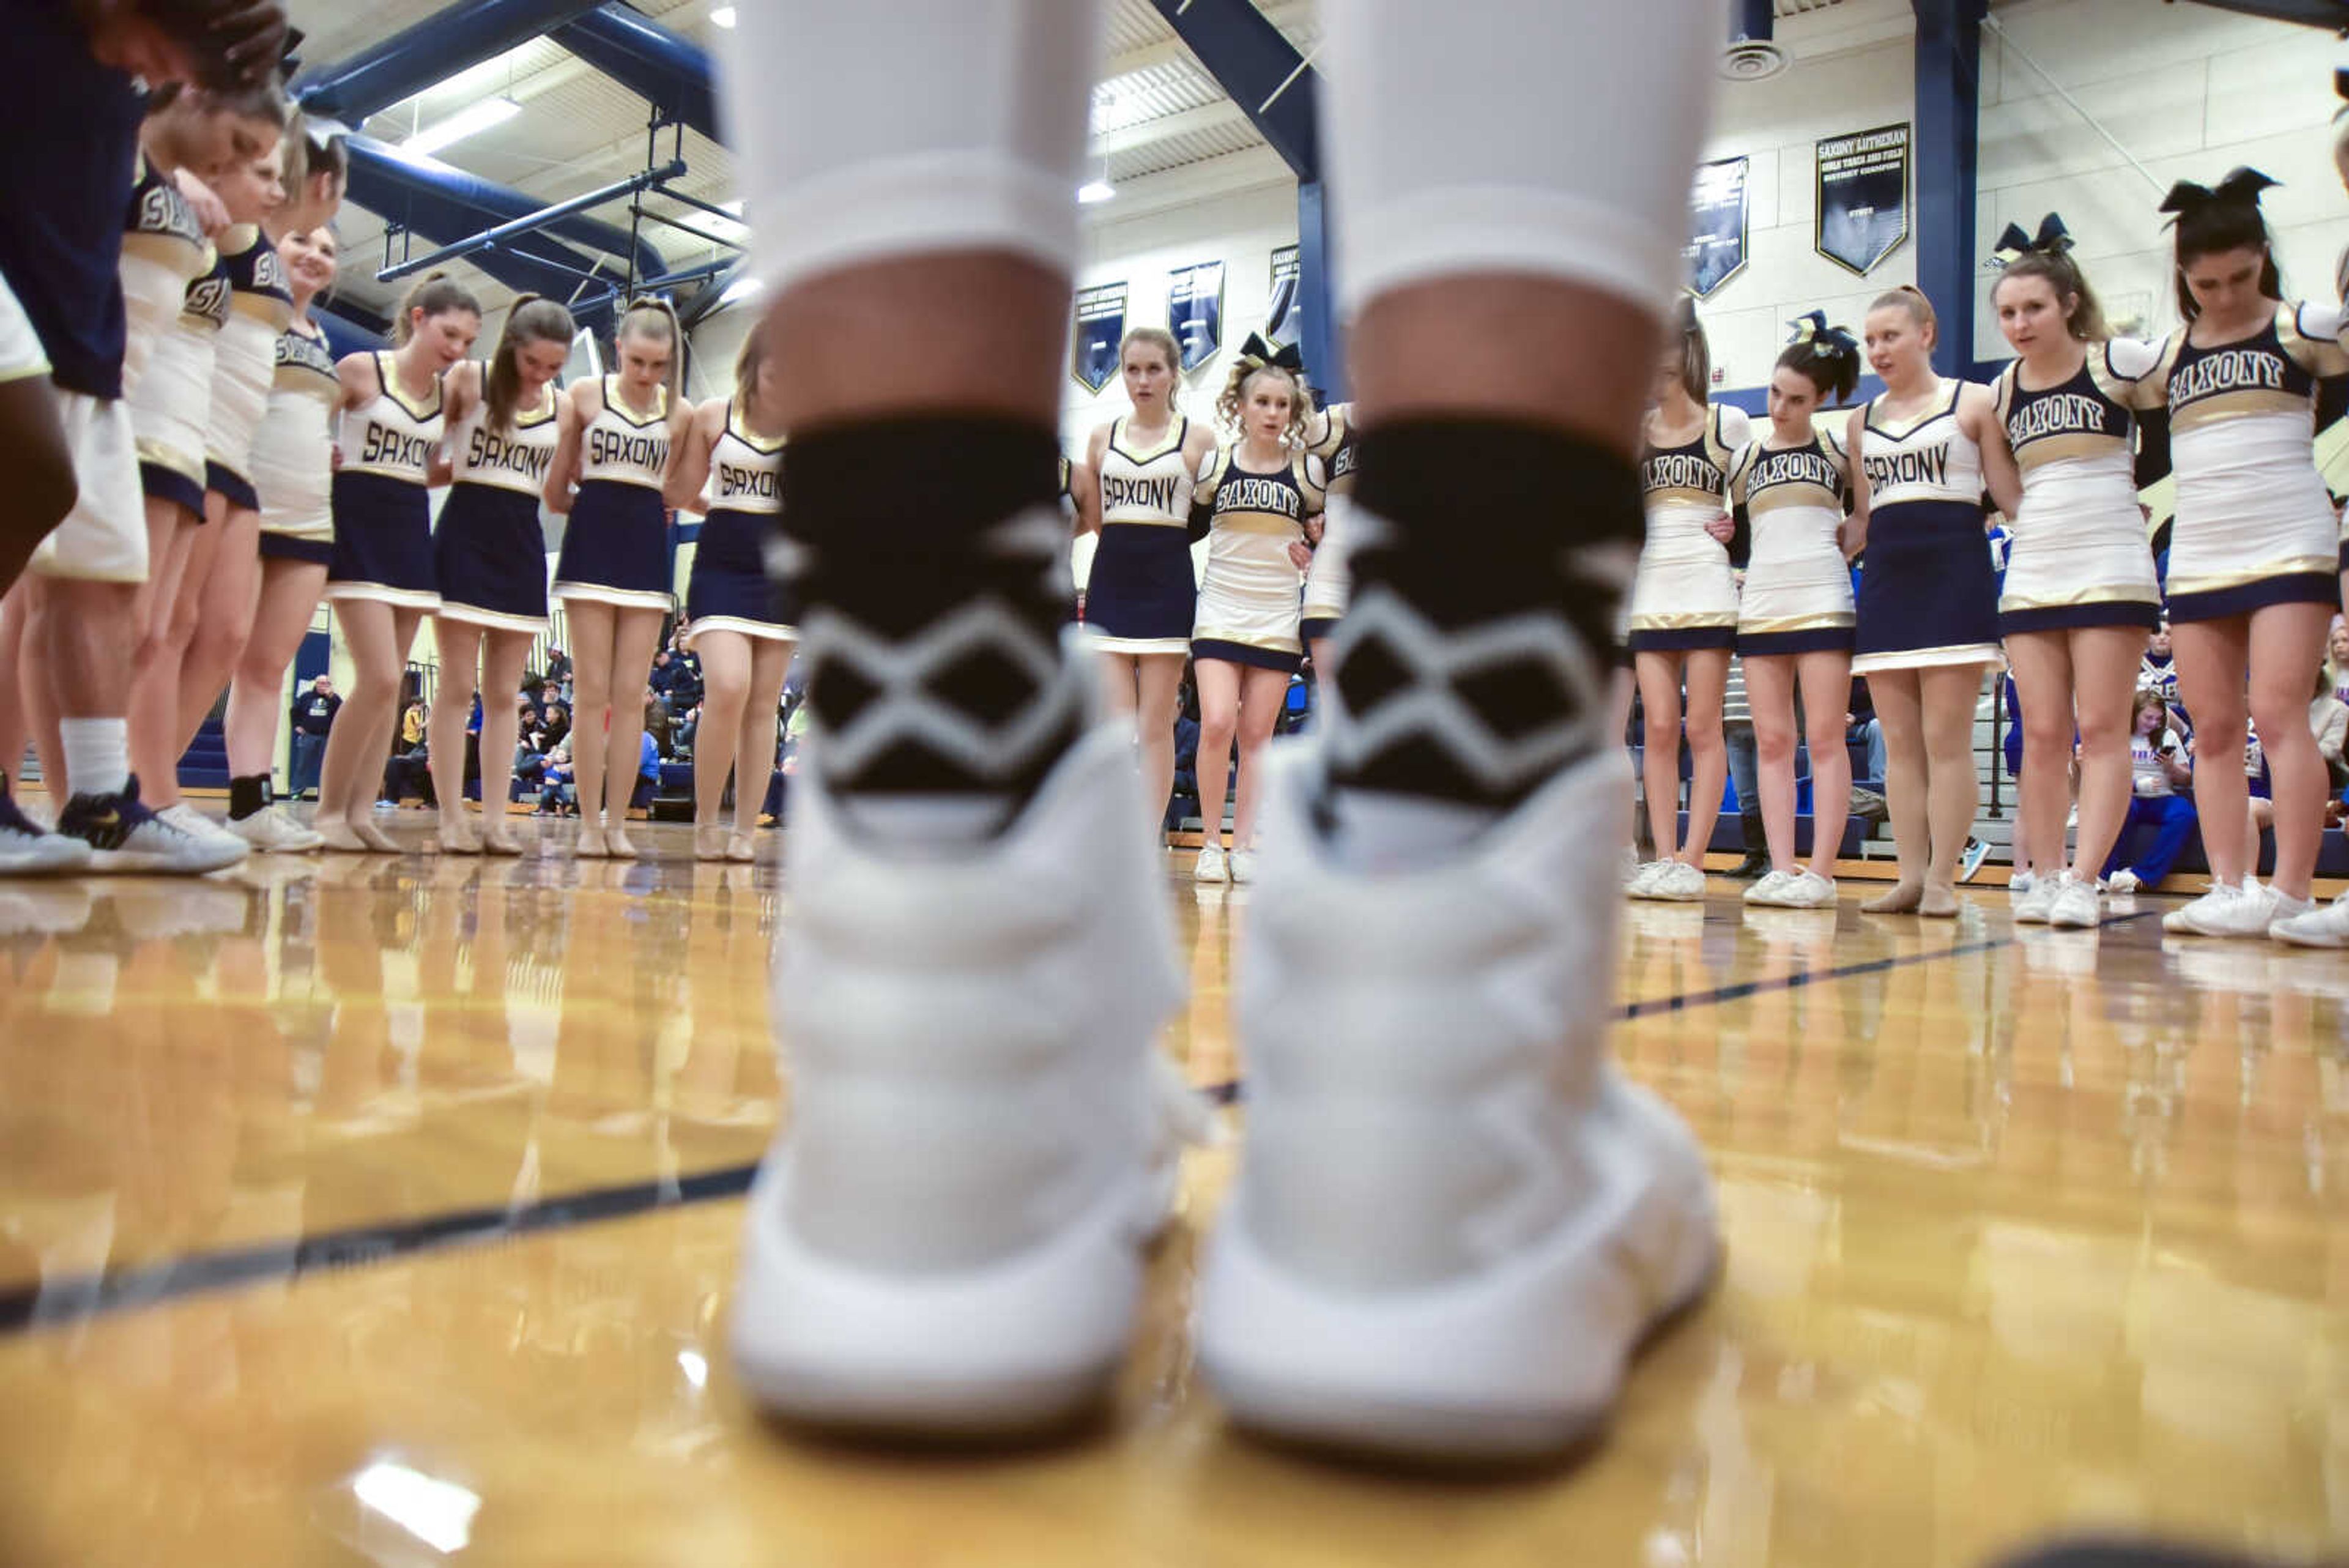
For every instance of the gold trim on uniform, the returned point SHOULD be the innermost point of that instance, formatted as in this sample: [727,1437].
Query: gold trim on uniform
[2220,407]
[1683,620]
[2079,445]
[1796,493]
[764,447]
[178,462]
[1947,655]
[264,308]
[1838,620]
[173,251]
[1267,523]
[2220,582]
[1203,633]
[1178,428]
[2122,594]
[389,381]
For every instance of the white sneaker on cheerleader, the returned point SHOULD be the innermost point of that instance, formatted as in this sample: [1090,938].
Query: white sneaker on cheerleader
[1211,866]
[1642,882]
[2327,927]
[1770,891]
[1242,867]
[2074,907]
[1679,882]
[1806,889]
[945,1240]
[2031,906]
[2245,911]
[270,831]
[1454,1219]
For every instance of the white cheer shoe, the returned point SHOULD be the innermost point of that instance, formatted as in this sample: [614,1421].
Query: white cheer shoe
[1455,1218]
[946,1239]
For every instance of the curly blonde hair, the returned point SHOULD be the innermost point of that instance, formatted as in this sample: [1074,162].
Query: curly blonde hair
[1234,395]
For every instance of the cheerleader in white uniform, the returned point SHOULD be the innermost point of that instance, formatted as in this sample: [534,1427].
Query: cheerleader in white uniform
[380,579]
[615,575]
[1791,487]
[1928,599]
[489,557]
[1684,616]
[1259,502]
[2080,594]
[1329,582]
[212,611]
[740,621]
[2253,555]
[292,473]
[1141,592]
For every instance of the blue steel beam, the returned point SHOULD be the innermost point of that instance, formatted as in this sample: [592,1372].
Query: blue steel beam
[1948,145]
[433,50]
[668,71]
[1279,93]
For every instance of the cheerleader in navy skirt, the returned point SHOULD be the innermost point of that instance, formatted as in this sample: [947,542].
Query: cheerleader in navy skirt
[489,557]
[740,622]
[615,575]
[293,475]
[380,579]
[1924,453]
[1143,586]
[1683,607]
[1260,503]
[1794,616]
[2080,593]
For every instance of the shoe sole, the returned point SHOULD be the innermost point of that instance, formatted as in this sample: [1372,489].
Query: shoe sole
[45,865]
[1304,1367]
[1022,1350]
[2298,939]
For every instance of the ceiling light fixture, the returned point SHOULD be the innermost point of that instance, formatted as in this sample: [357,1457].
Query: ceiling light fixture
[722,17]
[470,120]
[1094,190]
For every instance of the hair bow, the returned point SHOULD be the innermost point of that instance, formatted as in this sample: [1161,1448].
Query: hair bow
[288,61]
[1811,327]
[2239,188]
[1255,353]
[2052,240]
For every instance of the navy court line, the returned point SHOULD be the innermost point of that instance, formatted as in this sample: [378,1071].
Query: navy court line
[76,1297]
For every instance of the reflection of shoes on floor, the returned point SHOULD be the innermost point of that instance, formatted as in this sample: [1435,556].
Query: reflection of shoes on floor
[947,1238]
[150,911]
[1349,1302]
[44,908]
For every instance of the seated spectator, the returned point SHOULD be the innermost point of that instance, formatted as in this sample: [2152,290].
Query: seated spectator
[2159,671]
[553,727]
[648,764]
[680,737]
[1860,727]
[657,721]
[2158,772]
[558,794]
[2328,720]
[408,770]
[2336,657]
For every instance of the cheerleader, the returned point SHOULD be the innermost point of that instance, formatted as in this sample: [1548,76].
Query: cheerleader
[293,473]
[489,559]
[1683,618]
[2080,594]
[211,613]
[739,623]
[615,574]
[1142,593]
[2253,554]
[1259,502]
[1928,599]
[171,401]
[381,578]
[1794,617]
[1328,584]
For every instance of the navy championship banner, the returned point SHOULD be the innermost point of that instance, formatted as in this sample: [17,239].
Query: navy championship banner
[1717,219]
[1284,320]
[1194,311]
[1100,328]
[1863,191]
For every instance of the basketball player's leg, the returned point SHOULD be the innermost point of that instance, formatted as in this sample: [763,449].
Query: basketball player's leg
[1506,287]
[959,834]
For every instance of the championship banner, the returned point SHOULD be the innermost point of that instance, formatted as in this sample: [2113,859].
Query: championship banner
[1194,311]
[1863,192]
[1284,322]
[1717,218]
[1100,328]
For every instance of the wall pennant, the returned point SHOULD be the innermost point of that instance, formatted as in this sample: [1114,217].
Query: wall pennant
[1100,328]
[1194,311]
[1863,197]
[1717,223]
[1284,320]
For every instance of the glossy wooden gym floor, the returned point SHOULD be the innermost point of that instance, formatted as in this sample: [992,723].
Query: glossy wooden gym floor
[384,1210]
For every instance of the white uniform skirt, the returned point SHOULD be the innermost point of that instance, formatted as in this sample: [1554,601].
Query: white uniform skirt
[2080,557]
[2255,525]
[1684,593]
[1797,597]
[1329,584]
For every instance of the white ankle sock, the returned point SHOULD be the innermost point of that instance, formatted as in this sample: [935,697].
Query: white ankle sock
[97,755]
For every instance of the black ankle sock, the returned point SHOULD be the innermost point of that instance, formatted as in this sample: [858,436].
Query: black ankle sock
[931,558]
[1473,661]
[248,796]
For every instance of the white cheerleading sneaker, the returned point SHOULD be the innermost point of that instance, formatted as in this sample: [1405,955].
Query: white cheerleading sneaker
[2018,884]
[2074,906]
[2245,911]
[1211,866]
[1242,866]
[2326,927]
[195,824]
[1771,891]
[947,1238]
[1642,881]
[1679,883]
[271,830]
[2031,906]
[1454,1219]
[1806,889]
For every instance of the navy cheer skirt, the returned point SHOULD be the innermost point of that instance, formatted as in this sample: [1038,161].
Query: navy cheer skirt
[1141,596]
[729,582]
[490,555]
[615,547]
[1928,596]
[383,541]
